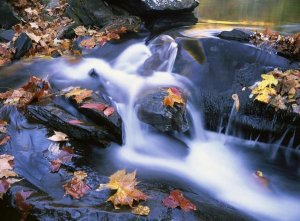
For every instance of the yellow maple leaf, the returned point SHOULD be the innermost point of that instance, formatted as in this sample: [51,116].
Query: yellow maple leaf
[79,94]
[174,96]
[125,184]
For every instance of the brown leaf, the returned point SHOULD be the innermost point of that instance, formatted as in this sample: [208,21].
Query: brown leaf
[21,203]
[174,96]
[125,184]
[80,31]
[141,210]
[4,140]
[88,43]
[235,97]
[3,125]
[79,94]
[77,187]
[96,106]
[4,186]
[176,199]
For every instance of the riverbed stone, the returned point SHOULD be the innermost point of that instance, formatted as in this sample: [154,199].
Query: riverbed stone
[236,34]
[22,45]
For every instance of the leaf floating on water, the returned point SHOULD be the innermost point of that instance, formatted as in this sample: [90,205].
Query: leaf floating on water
[77,187]
[235,97]
[174,96]
[125,186]
[141,210]
[59,136]
[176,199]
[79,95]
[21,203]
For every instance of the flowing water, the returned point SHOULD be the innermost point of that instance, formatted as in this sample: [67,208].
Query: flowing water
[209,160]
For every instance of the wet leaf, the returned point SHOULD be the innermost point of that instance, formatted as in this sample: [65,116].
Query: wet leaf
[77,187]
[79,95]
[4,140]
[109,111]
[125,186]
[80,31]
[55,165]
[235,97]
[176,199]
[141,210]
[174,96]
[88,43]
[63,156]
[21,203]
[75,122]
[59,136]
[95,106]
[3,125]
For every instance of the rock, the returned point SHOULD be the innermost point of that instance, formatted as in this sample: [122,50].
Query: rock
[147,7]
[221,68]
[22,45]
[236,34]
[89,12]
[6,35]
[59,120]
[113,122]
[7,16]
[150,110]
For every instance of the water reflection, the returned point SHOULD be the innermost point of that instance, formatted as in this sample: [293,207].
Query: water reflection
[282,15]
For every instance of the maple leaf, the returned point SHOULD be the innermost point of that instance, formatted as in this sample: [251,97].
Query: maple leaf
[21,203]
[176,199]
[59,136]
[79,94]
[174,96]
[125,184]
[77,187]
[141,210]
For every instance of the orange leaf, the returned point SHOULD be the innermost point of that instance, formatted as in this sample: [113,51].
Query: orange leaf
[96,106]
[109,111]
[176,199]
[174,96]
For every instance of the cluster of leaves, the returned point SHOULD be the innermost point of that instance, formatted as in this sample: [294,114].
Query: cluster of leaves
[77,187]
[7,175]
[6,53]
[280,89]
[34,90]
[79,95]
[174,96]
[97,37]
[4,138]
[288,46]
[176,199]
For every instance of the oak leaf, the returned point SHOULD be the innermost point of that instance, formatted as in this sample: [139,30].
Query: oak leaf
[79,94]
[174,96]
[125,186]
[176,199]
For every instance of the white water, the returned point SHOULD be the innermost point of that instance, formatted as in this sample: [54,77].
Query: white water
[210,163]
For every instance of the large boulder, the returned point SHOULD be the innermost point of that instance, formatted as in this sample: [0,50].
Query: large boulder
[146,7]
[219,68]
[7,15]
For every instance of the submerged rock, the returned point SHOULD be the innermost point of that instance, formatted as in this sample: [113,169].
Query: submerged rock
[22,45]
[236,34]
[150,110]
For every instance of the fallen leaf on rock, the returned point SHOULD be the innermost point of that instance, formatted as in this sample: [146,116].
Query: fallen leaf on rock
[109,111]
[125,186]
[176,199]
[235,97]
[21,203]
[77,187]
[141,210]
[88,43]
[95,106]
[79,94]
[59,136]
[174,96]
[80,31]
[75,122]
[6,162]
[4,140]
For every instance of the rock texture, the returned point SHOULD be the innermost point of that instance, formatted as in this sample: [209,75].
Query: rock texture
[7,15]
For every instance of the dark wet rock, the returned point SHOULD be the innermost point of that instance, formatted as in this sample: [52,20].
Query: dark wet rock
[220,68]
[7,15]
[112,122]
[131,23]
[22,45]
[150,110]
[6,35]
[236,34]
[58,119]
[144,7]
[89,12]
